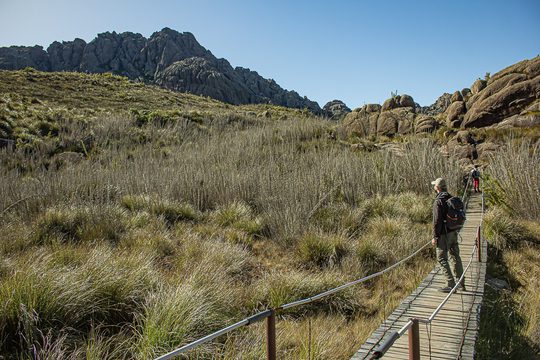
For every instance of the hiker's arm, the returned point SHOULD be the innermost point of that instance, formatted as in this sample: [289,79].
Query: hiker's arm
[437,220]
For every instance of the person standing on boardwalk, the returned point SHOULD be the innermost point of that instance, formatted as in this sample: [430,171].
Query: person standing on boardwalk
[445,240]
[475,175]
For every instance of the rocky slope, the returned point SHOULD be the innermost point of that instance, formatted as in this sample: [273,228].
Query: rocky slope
[398,115]
[510,98]
[336,110]
[168,58]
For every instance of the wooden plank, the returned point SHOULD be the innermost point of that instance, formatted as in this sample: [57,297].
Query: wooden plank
[461,309]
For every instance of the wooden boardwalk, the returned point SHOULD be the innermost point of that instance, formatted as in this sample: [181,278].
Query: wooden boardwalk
[452,333]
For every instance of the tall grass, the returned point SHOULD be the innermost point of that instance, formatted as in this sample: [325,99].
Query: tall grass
[166,231]
[510,325]
[289,168]
[513,180]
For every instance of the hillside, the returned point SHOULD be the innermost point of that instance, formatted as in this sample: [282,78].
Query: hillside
[134,219]
[167,58]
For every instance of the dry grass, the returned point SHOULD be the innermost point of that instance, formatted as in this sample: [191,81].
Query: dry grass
[141,231]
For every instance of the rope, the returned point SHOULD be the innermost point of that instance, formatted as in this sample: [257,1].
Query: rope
[428,332]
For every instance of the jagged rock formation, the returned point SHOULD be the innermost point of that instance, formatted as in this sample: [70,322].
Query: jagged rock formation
[398,115]
[439,106]
[167,58]
[336,109]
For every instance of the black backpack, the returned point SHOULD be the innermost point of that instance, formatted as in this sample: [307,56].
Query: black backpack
[475,174]
[455,214]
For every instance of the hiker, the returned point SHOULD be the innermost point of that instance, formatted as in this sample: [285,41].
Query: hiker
[446,240]
[475,175]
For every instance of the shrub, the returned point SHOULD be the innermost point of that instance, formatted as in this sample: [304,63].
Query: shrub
[318,250]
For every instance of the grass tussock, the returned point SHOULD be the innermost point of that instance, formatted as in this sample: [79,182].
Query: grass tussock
[54,294]
[80,225]
[176,316]
[321,251]
[170,211]
[125,234]
[503,231]
[279,288]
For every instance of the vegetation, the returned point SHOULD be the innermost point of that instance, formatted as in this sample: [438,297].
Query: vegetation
[134,220]
[510,325]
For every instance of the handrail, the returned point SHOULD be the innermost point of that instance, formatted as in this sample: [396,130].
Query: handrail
[387,344]
[265,314]
[438,309]
[349,284]
[270,312]
[395,335]
[247,321]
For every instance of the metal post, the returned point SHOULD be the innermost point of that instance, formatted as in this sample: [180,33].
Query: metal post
[479,244]
[271,336]
[414,340]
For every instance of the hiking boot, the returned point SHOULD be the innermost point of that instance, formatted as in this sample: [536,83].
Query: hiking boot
[461,287]
[446,289]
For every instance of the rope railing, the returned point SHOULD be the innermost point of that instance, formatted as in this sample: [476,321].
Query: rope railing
[269,314]
[412,324]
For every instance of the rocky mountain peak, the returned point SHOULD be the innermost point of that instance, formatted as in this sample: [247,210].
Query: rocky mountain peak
[167,58]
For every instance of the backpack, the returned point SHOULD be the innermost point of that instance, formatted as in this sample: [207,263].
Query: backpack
[475,174]
[455,214]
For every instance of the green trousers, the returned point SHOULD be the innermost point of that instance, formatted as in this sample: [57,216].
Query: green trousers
[448,243]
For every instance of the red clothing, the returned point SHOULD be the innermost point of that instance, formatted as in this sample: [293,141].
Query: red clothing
[476,184]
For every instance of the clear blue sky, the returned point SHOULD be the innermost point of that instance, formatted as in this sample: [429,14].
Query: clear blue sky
[355,51]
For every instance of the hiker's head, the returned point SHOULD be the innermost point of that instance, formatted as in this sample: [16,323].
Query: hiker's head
[439,185]
[476,166]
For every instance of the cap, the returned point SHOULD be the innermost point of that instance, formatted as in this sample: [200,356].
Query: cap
[440,183]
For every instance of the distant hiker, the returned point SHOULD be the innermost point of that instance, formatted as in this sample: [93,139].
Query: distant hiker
[475,175]
[445,236]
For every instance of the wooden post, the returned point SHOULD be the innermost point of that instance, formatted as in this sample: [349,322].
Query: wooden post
[479,244]
[414,340]
[271,336]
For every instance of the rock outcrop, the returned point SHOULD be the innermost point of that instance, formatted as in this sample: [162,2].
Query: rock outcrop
[336,109]
[398,115]
[167,58]
[504,95]
[438,107]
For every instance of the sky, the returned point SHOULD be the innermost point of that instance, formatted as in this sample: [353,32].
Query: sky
[355,51]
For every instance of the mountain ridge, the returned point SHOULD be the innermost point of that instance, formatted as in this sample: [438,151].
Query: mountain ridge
[167,58]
